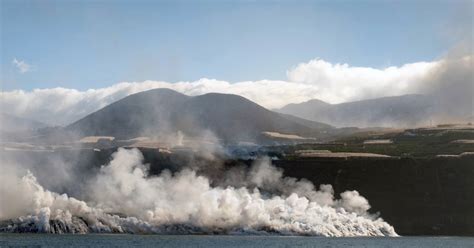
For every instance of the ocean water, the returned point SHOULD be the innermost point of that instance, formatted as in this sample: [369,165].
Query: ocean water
[119,240]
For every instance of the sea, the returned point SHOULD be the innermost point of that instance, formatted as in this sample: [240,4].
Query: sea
[119,240]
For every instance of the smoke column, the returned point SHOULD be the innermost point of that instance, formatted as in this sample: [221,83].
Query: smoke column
[124,199]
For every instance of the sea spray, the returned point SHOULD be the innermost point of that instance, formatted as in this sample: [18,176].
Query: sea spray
[125,199]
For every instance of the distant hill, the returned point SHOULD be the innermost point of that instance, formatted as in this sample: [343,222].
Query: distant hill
[396,111]
[158,112]
[15,124]
[12,127]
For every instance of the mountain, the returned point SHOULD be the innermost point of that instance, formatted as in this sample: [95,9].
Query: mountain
[13,127]
[17,124]
[396,111]
[158,112]
[308,123]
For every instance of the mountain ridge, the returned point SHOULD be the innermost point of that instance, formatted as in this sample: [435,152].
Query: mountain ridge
[164,111]
[403,110]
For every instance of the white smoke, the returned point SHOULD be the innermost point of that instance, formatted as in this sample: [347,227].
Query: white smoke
[124,198]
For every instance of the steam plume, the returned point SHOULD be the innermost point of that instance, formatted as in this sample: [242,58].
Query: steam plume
[123,198]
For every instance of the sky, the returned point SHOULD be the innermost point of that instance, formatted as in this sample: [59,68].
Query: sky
[93,44]
[61,60]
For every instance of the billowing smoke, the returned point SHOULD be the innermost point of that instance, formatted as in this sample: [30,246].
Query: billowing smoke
[451,84]
[123,197]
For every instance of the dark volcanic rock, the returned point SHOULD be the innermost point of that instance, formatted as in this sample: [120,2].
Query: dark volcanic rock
[431,196]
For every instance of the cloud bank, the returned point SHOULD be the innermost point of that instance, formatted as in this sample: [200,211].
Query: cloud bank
[316,79]
[341,82]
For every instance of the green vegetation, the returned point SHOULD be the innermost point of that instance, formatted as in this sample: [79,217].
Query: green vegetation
[408,143]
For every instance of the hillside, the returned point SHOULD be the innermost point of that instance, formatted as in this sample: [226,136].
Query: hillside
[13,127]
[396,111]
[159,112]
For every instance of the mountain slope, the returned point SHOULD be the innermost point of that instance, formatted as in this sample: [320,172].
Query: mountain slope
[14,128]
[163,111]
[406,110]
[13,123]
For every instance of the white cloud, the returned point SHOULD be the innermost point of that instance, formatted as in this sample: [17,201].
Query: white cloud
[21,65]
[62,106]
[315,79]
[341,82]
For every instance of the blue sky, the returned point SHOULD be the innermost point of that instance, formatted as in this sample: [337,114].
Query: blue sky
[92,44]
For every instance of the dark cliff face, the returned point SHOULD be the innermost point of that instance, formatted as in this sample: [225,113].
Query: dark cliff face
[161,111]
[417,196]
